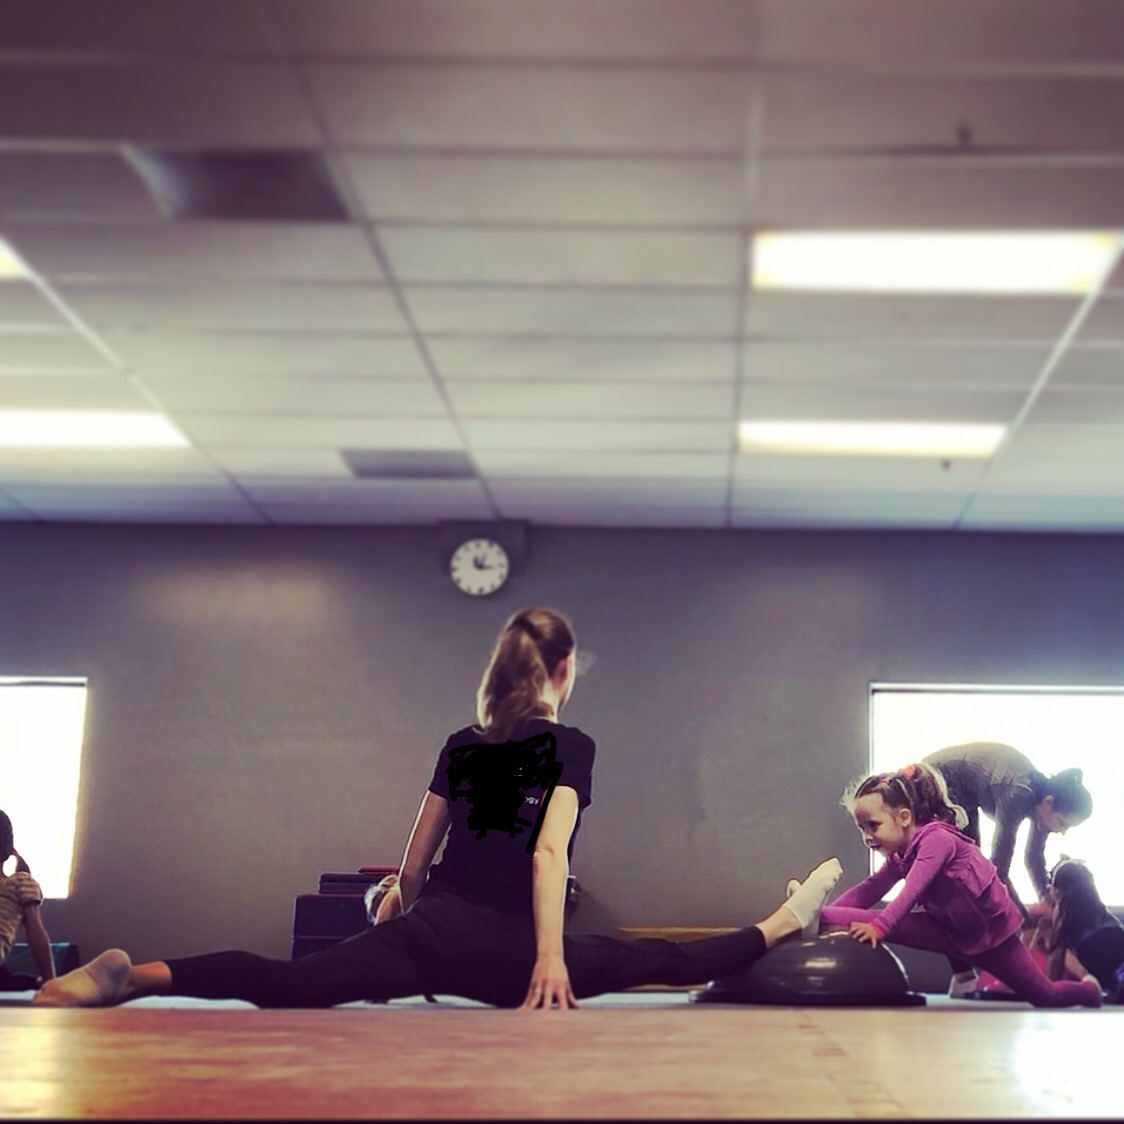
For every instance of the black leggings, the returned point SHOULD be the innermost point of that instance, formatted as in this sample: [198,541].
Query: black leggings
[450,946]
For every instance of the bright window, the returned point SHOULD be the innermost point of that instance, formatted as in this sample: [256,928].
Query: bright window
[41,724]
[1056,727]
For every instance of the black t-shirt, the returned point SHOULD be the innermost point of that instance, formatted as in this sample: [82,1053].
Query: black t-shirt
[498,795]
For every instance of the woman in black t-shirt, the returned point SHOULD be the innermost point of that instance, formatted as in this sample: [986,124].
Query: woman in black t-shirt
[486,922]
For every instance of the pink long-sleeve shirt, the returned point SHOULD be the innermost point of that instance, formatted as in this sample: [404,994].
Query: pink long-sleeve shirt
[952,880]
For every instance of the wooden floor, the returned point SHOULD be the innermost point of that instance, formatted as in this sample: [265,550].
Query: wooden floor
[659,1061]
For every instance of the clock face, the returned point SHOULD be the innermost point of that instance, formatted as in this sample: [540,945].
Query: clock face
[479,567]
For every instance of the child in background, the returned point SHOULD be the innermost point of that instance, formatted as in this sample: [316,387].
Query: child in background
[1082,926]
[966,910]
[20,898]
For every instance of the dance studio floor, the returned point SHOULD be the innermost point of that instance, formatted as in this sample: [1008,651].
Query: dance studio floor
[643,1055]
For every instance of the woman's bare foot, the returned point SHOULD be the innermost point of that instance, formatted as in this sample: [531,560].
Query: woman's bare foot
[101,983]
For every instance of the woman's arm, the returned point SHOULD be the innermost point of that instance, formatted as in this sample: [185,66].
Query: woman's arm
[1035,858]
[38,942]
[550,981]
[429,829]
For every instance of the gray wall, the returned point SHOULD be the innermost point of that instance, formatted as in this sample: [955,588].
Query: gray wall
[265,704]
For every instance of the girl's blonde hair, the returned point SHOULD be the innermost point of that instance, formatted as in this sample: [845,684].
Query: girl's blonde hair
[525,658]
[918,787]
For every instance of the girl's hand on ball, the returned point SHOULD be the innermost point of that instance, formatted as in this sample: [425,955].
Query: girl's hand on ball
[865,933]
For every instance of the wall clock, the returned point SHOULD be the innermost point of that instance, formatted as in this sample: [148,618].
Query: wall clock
[479,567]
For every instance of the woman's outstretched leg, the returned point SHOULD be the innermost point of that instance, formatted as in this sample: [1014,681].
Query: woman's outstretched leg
[373,965]
[599,964]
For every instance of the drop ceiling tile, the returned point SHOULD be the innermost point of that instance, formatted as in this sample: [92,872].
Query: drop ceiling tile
[424,495]
[847,402]
[910,193]
[320,395]
[868,365]
[569,257]
[771,471]
[1067,442]
[1020,472]
[1079,407]
[524,467]
[257,105]
[12,512]
[641,30]
[22,305]
[918,316]
[591,190]
[53,185]
[281,354]
[399,513]
[822,507]
[49,352]
[1105,322]
[584,359]
[1090,365]
[164,251]
[238,307]
[544,108]
[610,493]
[69,392]
[561,312]
[296,463]
[106,469]
[80,495]
[579,437]
[578,514]
[603,401]
[848,111]
[267,431]
[942,31]
[1071,512]
[137,26]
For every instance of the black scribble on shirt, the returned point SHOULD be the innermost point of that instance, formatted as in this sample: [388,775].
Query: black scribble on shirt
[498,781]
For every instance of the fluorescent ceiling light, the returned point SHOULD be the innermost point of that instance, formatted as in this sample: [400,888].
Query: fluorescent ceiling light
[87,429]
[932,262]
[888,439]
[11,265]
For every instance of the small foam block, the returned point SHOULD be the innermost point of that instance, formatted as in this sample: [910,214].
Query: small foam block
[831,969]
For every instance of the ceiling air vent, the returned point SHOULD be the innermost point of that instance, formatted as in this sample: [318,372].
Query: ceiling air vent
[372,464]
[288,185]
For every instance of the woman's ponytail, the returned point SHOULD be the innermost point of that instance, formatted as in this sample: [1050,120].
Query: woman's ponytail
[526,655]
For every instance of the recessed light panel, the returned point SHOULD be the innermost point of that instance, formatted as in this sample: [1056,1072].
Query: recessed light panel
[11,265]
[933,262]
[87,429]
[893,439]
[273,186]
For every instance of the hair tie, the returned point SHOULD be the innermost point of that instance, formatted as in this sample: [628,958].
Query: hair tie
[528,628]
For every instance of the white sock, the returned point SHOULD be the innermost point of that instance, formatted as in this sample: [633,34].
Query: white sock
[791,887]
[99,984]
[808,899]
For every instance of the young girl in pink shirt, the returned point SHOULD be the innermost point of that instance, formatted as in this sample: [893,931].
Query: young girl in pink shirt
[965,912]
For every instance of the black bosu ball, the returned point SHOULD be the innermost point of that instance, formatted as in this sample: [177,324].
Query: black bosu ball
[832,970]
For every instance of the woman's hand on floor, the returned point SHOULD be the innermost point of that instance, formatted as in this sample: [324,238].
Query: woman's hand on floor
[550,984]
[865,933]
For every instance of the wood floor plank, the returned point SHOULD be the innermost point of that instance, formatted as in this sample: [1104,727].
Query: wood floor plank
[683,1062]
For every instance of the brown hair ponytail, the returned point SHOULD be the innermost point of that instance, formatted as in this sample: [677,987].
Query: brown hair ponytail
[917,787]
[526,656]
